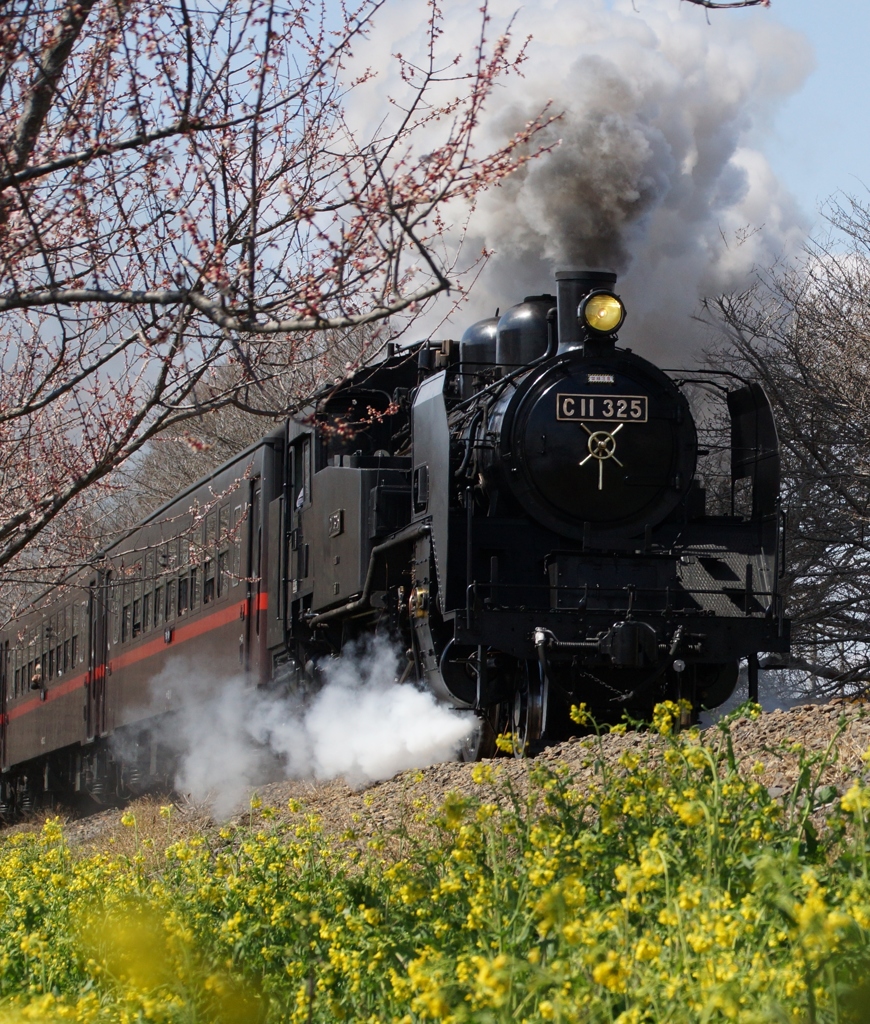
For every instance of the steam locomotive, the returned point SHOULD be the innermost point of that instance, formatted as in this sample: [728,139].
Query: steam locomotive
[522,512]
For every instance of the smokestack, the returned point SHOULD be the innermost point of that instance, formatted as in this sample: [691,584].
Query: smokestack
[572,285]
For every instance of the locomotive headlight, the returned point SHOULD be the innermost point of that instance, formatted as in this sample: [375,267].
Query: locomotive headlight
[602,312]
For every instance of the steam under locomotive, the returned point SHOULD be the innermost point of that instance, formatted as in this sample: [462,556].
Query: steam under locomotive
[521,512]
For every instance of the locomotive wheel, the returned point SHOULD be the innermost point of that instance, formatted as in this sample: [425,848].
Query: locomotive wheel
[480,742]
[529,717]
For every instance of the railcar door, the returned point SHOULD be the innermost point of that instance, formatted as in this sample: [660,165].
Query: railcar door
[255,618]
[97,656]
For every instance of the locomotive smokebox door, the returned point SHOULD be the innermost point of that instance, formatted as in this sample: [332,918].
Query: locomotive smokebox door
[605,445]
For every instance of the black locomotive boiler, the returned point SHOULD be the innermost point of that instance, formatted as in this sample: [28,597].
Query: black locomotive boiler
[522,512]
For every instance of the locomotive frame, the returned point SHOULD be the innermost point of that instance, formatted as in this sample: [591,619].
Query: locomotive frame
[520,512]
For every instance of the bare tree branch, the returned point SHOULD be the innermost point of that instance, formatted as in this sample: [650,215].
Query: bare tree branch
[187,196]
[42,90]
[722,6]
[214,310]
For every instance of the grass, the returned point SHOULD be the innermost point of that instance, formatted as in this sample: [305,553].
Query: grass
[673,888]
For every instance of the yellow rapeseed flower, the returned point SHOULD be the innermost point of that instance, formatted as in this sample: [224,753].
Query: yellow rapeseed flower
[611,973]
[856,799]
[580,714]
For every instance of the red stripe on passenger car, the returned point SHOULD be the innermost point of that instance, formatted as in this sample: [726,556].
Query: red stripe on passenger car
[61,690]
[180,635]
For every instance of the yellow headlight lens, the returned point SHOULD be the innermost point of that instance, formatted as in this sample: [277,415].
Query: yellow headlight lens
[603,312]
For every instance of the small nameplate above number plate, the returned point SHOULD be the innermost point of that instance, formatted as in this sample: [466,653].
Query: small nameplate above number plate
[602,408]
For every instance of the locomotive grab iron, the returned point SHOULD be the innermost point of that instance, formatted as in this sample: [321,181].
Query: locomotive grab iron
[521,512]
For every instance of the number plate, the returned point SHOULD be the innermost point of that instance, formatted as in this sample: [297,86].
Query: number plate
[602,408]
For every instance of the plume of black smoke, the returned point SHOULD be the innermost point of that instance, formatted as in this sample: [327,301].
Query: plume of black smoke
[658,169]
[586,202]
[361,726]
[660,173]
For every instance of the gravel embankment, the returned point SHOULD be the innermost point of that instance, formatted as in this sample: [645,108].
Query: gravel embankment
[387,806]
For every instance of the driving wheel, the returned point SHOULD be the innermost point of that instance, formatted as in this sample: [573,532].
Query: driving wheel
[529,718]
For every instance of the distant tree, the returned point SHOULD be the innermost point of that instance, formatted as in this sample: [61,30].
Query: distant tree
[185,199]
[180,455]
[804,333]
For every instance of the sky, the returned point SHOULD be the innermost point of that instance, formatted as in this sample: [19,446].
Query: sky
[820,141]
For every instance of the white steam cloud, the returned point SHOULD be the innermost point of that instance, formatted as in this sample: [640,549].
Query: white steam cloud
[659,171]
[362,726]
